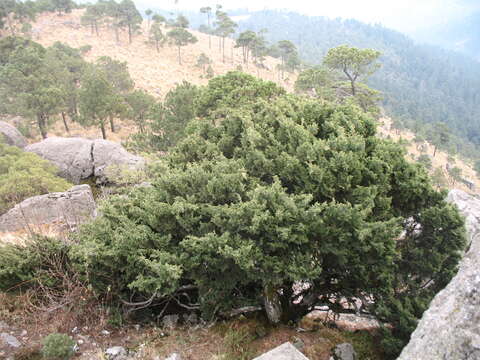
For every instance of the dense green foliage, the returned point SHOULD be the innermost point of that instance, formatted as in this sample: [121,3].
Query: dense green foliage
[24,174]
[421,84]
[28,83]
[164,124]
[271,191]
[31,263]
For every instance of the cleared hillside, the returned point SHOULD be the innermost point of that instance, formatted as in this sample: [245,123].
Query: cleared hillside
[155,72]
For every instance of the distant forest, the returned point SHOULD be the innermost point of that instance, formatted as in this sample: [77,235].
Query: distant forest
[421,84]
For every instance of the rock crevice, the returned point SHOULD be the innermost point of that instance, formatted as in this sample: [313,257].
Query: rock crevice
[78,159]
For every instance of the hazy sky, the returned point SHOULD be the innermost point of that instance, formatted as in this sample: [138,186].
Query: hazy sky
[404,15]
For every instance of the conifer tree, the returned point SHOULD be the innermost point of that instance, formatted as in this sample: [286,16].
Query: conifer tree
[116,73]
[98,100]
[180,38]
[28,85]
[129,17]
[225,27]
[156,35]
[352,62]
[140,104]
[208,10]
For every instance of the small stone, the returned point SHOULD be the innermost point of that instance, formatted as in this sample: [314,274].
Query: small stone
[190,319]
[10,340]
[137,327]
[299,344]
[75,330]
[116,353]
[285,351]
[174,356]
[24,333]
[344,351]
[104,332]
[81,342]
[170,321]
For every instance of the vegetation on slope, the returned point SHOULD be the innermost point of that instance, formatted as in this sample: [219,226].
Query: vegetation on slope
[23,175]
[421,84]
[273,191]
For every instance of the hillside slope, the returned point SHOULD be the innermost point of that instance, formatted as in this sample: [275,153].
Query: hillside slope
[420,84]
[155,72]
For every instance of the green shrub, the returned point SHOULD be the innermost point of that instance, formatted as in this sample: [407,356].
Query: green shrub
[269,189]
[425,160]
[24,174]
[58,347]
[24,265]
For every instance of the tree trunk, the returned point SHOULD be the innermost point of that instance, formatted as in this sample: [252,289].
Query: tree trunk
[117,37]
[104,133]
[209,35]
[112,125]
[129,33]
[96,28]
[434,150]
[65,122]
[223,50]
[352,84]
[41,125]
[272,304]
[179,56]
[156,44]
[74,110]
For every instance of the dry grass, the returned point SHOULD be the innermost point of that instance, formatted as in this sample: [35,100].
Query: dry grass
[157,73]
[439,161]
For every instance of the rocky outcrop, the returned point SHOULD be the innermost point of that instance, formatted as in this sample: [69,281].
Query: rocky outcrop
[107,153]
[78,159]
[69,208]
[72,156]
[343,321]
[450,329]
[344,351]
[11,135]
[285,351]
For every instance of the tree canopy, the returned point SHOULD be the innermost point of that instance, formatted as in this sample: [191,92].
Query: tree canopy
[353,62]
[269,190]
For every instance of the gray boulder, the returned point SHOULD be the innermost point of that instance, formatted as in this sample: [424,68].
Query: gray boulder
[69,208]
[107,154]
[11,135]
[10,340]
[174,356]
[170,321]
[449,329]
[72,156]
[285,351]
[344,351]
[116,353]
[78,159]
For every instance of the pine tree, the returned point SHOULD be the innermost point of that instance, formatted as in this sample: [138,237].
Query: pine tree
[181,37]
